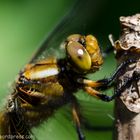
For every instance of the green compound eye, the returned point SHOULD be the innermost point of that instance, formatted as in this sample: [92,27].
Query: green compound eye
[79,56]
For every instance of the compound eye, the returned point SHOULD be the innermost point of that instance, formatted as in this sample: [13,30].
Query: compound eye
[79,56]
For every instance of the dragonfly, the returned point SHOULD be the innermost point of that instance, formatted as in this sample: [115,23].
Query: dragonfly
[26,105]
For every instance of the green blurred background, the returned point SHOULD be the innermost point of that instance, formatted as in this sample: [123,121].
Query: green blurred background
[24,24]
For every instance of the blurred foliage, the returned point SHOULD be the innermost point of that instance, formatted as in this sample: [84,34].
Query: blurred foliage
[25,23]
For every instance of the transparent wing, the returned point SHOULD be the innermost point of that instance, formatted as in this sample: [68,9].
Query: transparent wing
[75,21]
[97,123]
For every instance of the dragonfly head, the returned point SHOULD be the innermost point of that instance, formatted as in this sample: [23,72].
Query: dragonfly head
[83,53]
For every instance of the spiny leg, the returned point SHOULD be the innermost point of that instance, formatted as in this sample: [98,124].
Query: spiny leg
[103,97]
[135,77]
[97,94]
[89,83]
[106,82]
[76,118]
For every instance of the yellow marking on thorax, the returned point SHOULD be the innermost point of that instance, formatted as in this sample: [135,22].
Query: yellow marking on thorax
[42,71]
